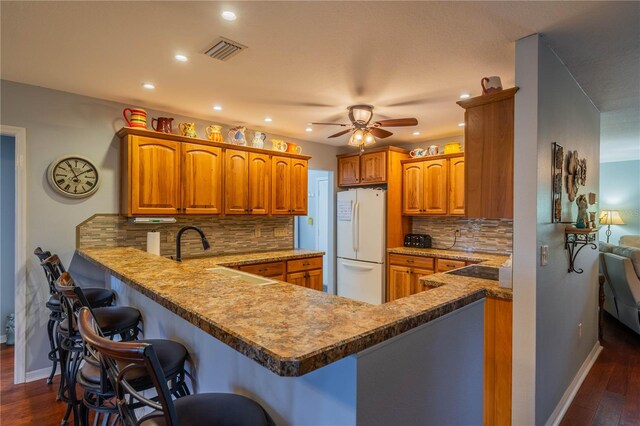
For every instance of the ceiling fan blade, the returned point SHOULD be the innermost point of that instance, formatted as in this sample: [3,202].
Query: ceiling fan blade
[333,124]
[340,133]
[379,133]
[397,122]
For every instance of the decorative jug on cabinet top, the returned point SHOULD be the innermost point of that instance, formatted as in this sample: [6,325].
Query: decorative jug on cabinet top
[162,124]
[138,117]
[214,134]
[258,140]
[278,145]
[236,135]
[188,129]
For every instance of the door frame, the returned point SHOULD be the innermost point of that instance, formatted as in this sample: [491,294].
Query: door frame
[326,270]
[20,351]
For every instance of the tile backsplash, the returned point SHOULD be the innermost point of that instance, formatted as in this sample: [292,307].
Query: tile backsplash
[490,235]
[227,235]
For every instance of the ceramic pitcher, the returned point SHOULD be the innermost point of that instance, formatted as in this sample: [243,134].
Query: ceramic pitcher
[162,124]
[236,135]
[214,134]
[188,129]
[278,145]
[258,140]
[138,117]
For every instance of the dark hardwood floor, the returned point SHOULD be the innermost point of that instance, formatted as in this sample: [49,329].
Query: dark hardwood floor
[610,395]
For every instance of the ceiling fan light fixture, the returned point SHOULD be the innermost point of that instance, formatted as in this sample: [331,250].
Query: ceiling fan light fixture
[356,138]
[360,113]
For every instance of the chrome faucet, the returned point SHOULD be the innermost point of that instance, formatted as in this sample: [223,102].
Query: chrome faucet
[205,242]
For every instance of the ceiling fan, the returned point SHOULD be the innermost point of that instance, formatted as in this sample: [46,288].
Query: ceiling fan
[364,134]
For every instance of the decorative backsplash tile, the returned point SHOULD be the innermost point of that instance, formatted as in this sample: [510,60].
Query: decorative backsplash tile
[490,235]
[227,235]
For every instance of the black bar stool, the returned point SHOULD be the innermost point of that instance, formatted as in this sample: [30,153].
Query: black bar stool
[120,321]
[121,359]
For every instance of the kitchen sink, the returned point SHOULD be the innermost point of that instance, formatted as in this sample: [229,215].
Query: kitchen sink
[477,271]
[242,276]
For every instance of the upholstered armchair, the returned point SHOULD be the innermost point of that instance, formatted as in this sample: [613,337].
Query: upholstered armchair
[621,268]
[630,240]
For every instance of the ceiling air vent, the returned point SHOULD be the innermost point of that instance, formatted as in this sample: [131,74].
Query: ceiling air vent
[224,49]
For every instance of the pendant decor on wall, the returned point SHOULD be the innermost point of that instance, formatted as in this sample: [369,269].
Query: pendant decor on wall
[557,160]
[576,174]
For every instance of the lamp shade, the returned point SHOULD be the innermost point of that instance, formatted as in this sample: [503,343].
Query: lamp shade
[610,217]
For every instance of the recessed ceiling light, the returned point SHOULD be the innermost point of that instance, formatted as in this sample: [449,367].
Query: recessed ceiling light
[465,96]
[268,119]
[460,124]
[149,86]
[217,107]
[181,58]
[416,133]
[309,129]
[228,15]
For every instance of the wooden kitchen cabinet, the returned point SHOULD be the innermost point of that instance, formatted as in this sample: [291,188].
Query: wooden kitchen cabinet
[273,270]
[498,343]
[368,168]
[150,183]
[404,274]
[247,182]
[201,179]
[433,187]
[444,265]
[349,170]
[289,186]
[489,129]
[305,272]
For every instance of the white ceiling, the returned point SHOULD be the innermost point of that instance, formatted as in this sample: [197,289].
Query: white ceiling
[307,61]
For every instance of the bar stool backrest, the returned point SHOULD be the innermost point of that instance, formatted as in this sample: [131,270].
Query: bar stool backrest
[119,358]
[71,299]
[42,256]
[53,268]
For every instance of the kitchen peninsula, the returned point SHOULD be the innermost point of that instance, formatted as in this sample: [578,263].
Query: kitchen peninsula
[310,357]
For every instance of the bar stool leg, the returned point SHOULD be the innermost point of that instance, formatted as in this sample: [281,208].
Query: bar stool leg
[53,353]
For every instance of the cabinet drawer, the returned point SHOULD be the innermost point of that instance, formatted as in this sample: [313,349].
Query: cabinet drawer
[414,261]
[270,269]
[304,264]
[444,265]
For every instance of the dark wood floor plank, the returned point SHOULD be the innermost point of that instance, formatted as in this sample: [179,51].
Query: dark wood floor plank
[631,408]
[578,416]
[609,410]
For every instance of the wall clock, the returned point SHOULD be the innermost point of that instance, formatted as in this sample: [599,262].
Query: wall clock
[74,176]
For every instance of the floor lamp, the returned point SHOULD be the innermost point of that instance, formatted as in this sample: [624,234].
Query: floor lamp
[610,217]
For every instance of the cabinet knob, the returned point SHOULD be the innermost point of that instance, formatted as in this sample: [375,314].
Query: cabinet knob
[410,261]
[306,264]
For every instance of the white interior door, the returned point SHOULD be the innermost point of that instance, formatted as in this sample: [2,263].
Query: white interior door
[322,225]
[346,230]
[361,281]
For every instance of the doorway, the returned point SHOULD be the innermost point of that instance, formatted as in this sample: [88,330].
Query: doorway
[315,231]
[13,242]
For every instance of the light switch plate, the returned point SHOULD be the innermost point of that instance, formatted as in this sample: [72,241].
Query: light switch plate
[544,255]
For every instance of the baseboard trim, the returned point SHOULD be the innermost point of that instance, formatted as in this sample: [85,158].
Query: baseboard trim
[570,393]
[42,373]
[3,338]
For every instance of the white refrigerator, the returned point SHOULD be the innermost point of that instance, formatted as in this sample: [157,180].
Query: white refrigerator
[361,244]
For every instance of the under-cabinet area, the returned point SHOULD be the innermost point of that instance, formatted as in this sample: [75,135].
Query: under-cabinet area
[166,174]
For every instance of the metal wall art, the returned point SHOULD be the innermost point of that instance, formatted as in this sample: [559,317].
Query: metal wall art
[557,161]
[576,174]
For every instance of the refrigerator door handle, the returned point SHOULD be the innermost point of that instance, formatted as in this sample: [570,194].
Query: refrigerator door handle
[356,227]
[353,226]
[356,266]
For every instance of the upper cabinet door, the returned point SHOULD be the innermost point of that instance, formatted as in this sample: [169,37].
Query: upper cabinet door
[349,170]
[412,190]
[373,168]
[280,185]
[435,187]
[154,176]
[299,196]
[456,186]
[259,183]
[236,185]
[201,179]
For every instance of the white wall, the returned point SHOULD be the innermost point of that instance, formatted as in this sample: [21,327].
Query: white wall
[7,229]
[60,123]
[561,300]
[620,190]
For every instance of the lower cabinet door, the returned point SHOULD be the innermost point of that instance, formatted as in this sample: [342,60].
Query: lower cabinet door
[416,285]
[399,282]
[314,279]
[297,278]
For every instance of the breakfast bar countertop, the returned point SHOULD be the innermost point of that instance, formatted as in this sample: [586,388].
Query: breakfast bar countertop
[443,279]
[289,329]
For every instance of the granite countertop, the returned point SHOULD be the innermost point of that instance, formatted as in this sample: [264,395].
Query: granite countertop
[258,257]
[289,329]
[443,279]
